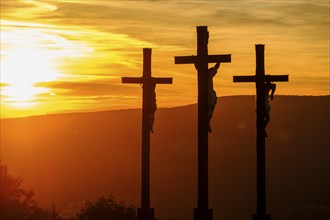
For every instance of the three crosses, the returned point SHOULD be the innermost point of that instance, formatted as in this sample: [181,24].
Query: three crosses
[202,212]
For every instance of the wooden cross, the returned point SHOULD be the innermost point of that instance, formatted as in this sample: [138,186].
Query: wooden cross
[260,78]
[149,84]
[201,62]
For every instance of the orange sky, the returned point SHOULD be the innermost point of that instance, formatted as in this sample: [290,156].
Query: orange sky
[69,55]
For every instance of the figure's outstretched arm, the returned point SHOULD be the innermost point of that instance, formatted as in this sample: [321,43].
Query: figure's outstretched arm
[214,70]
[217,65]
[195,64]
[273,88]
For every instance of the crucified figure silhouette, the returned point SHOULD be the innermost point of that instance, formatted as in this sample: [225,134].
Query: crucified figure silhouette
[212,95]
[269,88]
[153,106]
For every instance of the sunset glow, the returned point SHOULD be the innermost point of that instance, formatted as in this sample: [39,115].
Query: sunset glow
[68,56]
[88,131]
[23,65]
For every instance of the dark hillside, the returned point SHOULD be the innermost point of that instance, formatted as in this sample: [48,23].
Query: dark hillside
[73,157]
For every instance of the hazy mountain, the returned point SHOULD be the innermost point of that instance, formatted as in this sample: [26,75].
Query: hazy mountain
[73,157]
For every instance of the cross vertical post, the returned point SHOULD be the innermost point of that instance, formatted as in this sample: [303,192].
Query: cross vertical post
[149,83]
[202,212]
[145,200]
[202,52]
[261,158]
[260,78]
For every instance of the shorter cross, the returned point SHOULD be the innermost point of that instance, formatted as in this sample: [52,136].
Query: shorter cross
[201,61]
[148,109]
[260,79]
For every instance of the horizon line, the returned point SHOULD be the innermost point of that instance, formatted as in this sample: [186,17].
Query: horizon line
[125,109]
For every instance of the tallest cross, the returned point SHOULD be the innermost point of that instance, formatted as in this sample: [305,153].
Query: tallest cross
[201,61]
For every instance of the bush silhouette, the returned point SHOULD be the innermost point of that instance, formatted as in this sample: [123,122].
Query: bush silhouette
[106,209]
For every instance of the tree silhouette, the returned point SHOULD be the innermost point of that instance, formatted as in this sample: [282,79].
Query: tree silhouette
[106,209]
[17,203]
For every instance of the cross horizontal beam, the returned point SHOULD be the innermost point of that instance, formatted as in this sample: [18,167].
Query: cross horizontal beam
[161,80]
[226,58]
[158,80]
[244,78]
[132,79]
[272,78]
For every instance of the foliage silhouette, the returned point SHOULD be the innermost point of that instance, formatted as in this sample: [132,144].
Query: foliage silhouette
[17,203]
[106,209]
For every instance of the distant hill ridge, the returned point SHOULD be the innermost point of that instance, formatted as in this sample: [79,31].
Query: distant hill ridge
[69,158]
[183,106]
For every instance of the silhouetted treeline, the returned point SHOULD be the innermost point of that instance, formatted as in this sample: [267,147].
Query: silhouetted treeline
[106,208]
[17,203]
